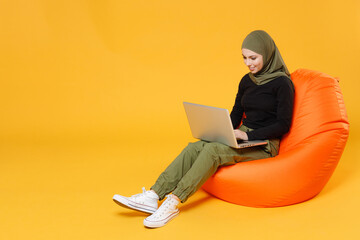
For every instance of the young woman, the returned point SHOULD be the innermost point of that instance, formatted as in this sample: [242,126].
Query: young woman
[262,110]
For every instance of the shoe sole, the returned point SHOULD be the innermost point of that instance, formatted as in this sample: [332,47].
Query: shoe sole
[162,223]
[122,201]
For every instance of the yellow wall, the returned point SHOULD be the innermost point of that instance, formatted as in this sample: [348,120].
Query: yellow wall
[81,82]
[103,68]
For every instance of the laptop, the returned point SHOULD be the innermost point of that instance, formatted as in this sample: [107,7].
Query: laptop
[214,125]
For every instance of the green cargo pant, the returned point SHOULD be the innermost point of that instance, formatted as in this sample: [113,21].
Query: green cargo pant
[200,160]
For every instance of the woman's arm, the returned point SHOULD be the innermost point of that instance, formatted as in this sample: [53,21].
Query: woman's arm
[237,112]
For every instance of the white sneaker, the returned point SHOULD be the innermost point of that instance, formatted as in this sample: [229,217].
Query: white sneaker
[167,211]
[147,201]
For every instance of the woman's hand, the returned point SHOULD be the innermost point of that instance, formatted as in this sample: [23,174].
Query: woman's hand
[240,134]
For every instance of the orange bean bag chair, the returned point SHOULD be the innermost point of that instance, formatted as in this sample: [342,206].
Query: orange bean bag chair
[308,154]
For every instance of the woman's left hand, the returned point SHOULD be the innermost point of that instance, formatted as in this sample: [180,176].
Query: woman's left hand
[240,134]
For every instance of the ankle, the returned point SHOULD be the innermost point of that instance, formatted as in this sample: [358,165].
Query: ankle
[176,198]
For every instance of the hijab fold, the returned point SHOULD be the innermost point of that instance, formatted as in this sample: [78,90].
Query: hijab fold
[273,65]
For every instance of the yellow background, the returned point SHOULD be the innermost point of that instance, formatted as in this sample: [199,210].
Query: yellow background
[91,105]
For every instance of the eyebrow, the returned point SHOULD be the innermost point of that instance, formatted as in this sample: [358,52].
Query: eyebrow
[249,56]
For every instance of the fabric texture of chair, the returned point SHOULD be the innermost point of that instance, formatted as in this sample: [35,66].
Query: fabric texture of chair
[308,155]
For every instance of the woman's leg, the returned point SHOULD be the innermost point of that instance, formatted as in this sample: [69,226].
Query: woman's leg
[210,158]
[190,170]
[169,179]
[147,201]
[200,160]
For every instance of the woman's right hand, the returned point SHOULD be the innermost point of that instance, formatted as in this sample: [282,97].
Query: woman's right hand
[240,135]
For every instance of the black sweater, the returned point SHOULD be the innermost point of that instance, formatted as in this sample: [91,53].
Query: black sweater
[268,108]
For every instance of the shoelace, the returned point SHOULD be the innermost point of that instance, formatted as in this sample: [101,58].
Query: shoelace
[139,194]
[165,206]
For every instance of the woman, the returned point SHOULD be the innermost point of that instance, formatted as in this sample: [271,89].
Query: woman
[265,97]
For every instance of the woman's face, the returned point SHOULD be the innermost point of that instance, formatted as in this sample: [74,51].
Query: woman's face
[252,60]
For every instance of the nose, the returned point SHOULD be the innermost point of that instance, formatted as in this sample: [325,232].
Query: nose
[247,62]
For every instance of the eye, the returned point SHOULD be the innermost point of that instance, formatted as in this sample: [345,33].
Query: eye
[253,58]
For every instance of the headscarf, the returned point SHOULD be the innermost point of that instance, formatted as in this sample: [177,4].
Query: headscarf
[273,65]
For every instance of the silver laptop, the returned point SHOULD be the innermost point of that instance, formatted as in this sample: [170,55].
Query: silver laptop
[214,125]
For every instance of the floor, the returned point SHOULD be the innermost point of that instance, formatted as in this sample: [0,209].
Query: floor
[63,190]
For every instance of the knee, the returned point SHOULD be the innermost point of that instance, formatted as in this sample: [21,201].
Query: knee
[212,147]
[213,152]
[197,146]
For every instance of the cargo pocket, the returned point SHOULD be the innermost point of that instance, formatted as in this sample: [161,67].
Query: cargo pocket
[273,146]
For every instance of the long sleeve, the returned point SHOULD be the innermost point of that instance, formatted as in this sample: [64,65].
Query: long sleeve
[237,112]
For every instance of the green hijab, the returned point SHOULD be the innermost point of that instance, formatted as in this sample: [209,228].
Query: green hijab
[260,42]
